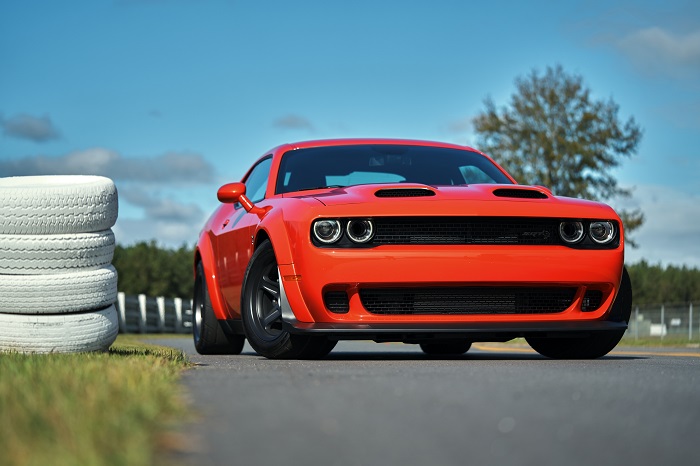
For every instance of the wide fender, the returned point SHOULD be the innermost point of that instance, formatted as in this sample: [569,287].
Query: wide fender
[286,235]
[204,252]
[273,226]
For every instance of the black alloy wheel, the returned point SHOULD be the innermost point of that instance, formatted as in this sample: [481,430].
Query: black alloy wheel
[261,312]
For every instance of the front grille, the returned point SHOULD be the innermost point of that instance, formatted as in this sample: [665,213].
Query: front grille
[467,300]
[404,192]
[591,300]
[336,301]
[520,193]
[466,230]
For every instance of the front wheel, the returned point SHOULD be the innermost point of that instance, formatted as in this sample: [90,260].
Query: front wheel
[596,345]
[261,313]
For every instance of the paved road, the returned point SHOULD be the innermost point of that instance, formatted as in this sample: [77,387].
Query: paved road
[371,404]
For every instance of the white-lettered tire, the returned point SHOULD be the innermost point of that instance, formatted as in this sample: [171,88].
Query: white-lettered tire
[58,293]
[59,333]
[50,254]
[38,205]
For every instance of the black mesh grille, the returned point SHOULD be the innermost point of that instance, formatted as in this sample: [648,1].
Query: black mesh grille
[461,230]
[404,192]
[336,301]
[467,300]
[520,193]
[592,300]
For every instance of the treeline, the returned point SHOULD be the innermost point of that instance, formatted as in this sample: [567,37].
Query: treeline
[653,284]
[154,271]
[146,268]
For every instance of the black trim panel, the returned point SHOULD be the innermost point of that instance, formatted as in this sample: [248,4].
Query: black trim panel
[475,331]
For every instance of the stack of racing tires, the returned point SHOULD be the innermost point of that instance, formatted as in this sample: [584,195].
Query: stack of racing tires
[57,284]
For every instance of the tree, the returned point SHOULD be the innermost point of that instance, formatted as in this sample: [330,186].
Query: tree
[556,135]
[146,268]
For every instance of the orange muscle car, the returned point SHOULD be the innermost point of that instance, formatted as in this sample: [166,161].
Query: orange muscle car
[404,241]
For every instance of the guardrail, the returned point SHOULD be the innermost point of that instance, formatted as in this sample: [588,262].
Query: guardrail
[147,314]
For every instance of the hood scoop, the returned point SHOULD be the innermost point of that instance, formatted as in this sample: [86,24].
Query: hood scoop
[520,193]
[404,192]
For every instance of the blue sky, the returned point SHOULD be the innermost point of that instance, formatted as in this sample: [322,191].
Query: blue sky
[172,98]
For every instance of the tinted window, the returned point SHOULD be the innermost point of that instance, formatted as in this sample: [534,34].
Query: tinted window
[317,167]
[256,183]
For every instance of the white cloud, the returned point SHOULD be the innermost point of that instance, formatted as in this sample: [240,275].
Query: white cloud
[32,128]
[671,232]
[187,167]
[657,51]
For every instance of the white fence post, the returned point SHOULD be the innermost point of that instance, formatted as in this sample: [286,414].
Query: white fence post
[142,313]
[663,323]
[690,321]
[178,315]
[121,304]
[636,323]
[160,300]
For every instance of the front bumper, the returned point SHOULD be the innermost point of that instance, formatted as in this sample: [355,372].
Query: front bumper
[316,270]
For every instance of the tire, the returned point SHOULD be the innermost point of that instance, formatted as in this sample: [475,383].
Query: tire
[49,254]
[209,337]
[66,333]
[262,315]
[61,293]
[453,348]
[596,345]
[39,205]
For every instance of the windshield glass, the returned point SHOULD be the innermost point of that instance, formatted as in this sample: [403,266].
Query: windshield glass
[339,166]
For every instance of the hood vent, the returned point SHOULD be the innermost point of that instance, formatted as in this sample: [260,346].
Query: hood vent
[520,193]
[404,192]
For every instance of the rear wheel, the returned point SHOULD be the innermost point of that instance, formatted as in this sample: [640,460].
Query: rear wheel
[261,312]
[209,337]
[595,345]
[446,349]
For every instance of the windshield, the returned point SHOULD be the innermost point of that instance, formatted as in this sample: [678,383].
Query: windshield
[339,166]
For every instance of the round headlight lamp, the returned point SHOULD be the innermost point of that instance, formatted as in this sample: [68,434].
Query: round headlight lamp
[571,231]
[360,231]
[327,231]
[602,232]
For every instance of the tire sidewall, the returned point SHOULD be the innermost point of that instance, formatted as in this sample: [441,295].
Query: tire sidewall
[273,347]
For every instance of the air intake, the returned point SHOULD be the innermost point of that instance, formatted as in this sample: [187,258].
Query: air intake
[404,192]
[520,193]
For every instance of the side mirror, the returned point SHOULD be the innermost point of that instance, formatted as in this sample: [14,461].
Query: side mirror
[235,192]
[231,193]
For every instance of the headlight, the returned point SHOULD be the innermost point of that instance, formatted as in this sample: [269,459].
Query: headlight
[360,231]
[602,232]
[571,231]
[327,231]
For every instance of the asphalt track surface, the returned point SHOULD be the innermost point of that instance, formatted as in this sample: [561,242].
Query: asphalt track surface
[388,404]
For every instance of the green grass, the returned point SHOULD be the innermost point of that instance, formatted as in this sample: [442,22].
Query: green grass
[94,408]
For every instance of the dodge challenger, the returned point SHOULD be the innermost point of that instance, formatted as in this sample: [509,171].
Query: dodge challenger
[407,241]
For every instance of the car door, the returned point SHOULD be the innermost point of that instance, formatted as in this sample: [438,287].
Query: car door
[234,243]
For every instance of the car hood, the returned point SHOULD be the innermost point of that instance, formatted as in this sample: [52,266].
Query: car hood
[476,199]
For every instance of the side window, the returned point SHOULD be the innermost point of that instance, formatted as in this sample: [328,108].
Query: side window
[256,183]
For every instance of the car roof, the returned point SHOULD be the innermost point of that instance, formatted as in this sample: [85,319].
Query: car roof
[362,141]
